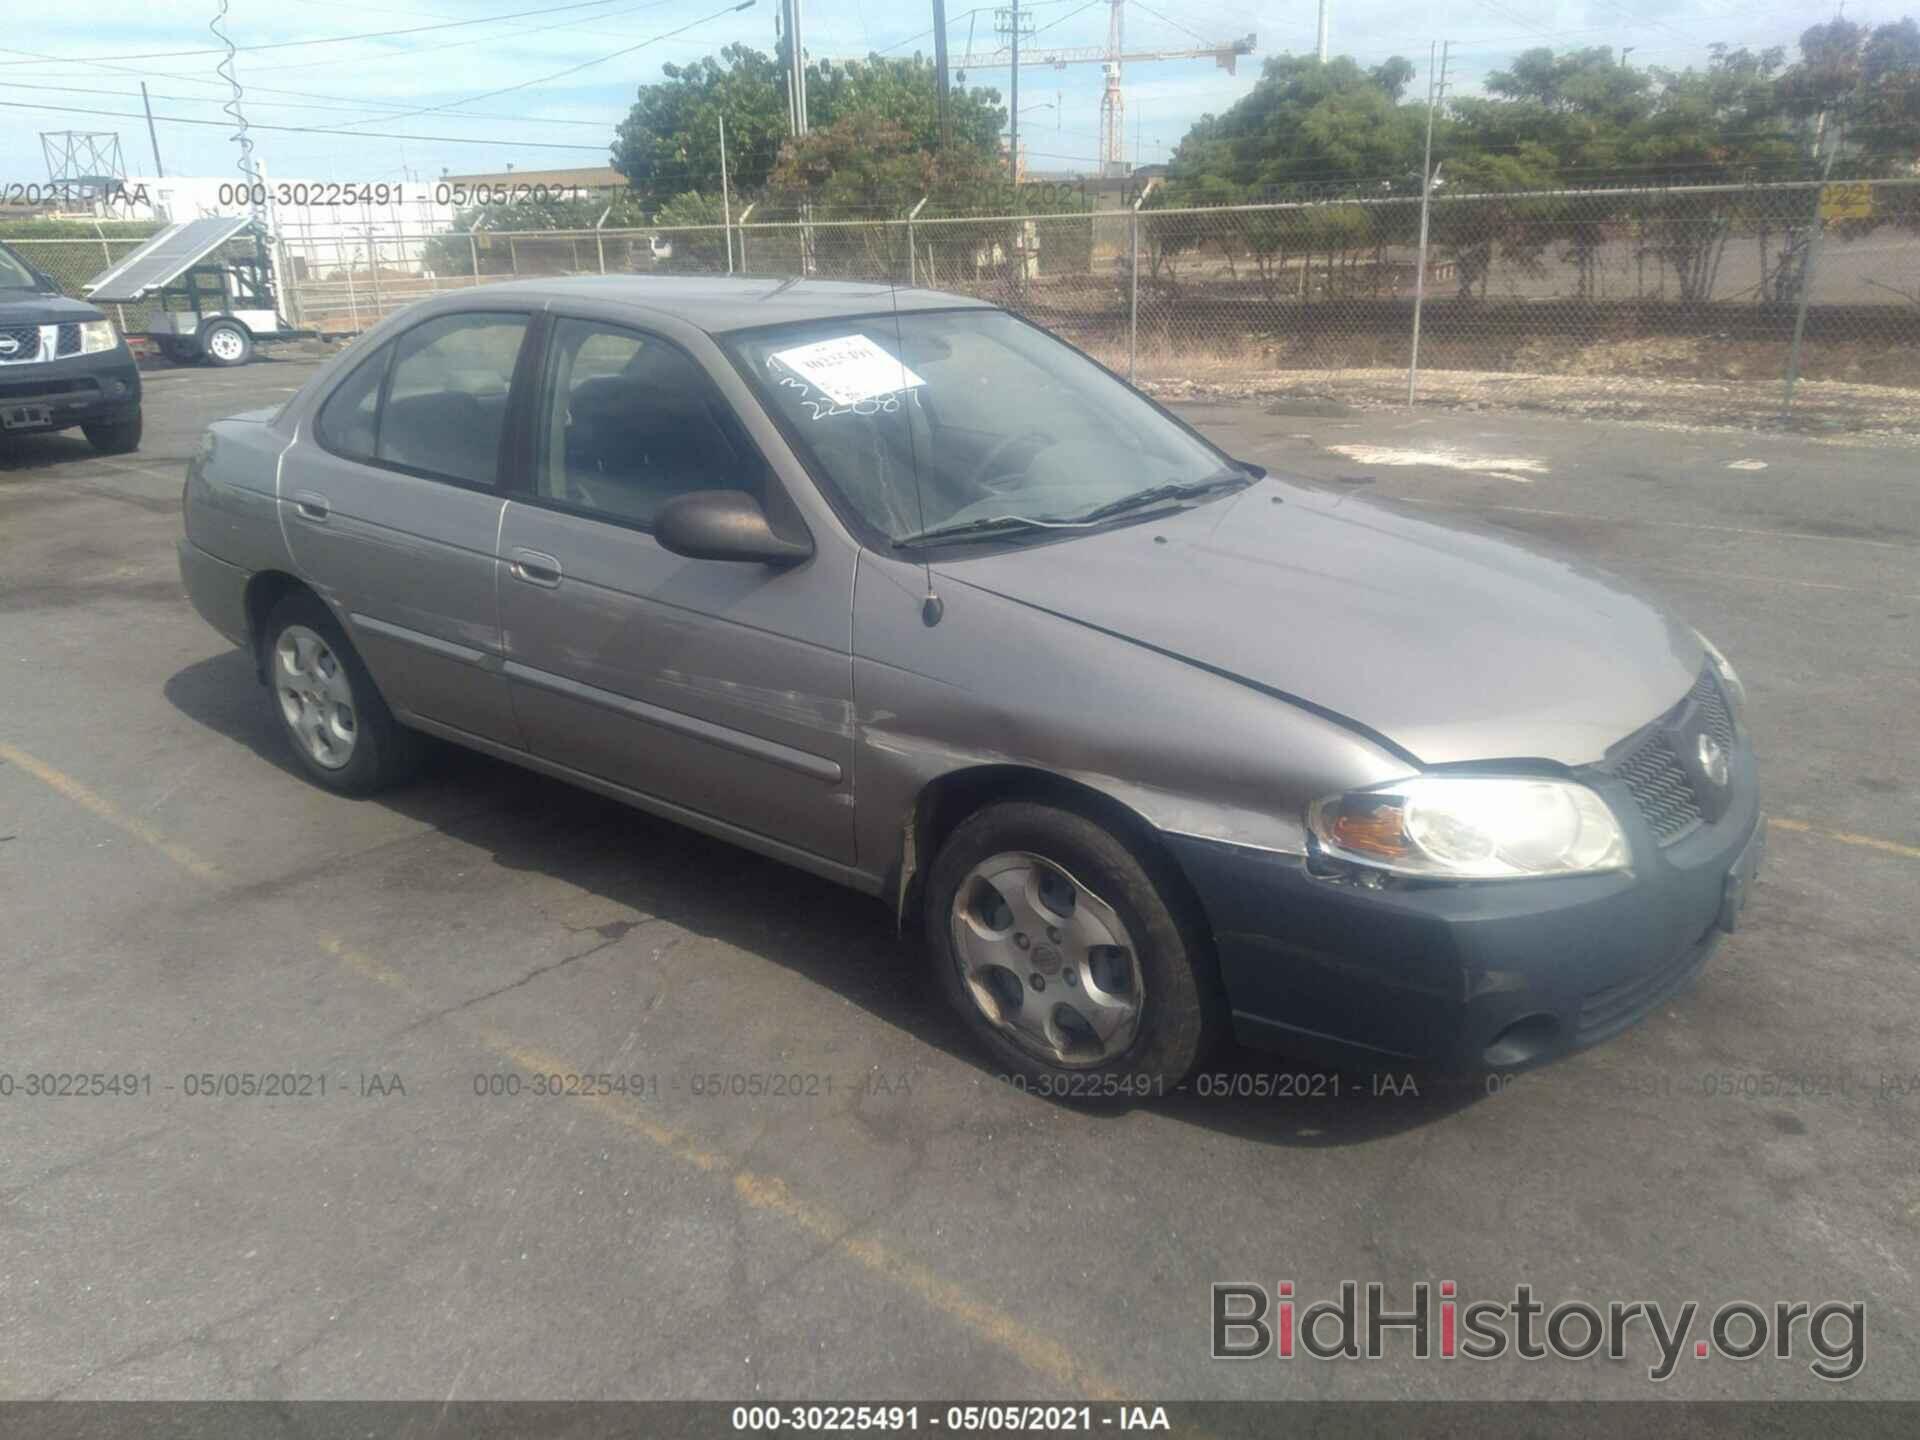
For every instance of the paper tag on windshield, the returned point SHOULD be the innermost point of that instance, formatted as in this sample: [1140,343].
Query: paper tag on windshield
[849,369]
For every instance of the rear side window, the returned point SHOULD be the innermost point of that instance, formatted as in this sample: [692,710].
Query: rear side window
[347,424]
[446,405]
[433,401]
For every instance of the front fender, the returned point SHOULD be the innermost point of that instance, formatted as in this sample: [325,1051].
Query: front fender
[996,684]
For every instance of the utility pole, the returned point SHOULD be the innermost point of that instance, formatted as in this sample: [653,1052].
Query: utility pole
[152,135]
[726,201]
[1015,156]
[1808,259]
[1436,89]
[796,69]
[1323,32]
[940,72]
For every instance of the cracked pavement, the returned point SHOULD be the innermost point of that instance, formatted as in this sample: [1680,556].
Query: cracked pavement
[176,902]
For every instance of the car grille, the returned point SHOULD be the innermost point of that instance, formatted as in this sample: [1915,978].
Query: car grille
[1714,712]
[1661,786]
[69,338]
[26,339]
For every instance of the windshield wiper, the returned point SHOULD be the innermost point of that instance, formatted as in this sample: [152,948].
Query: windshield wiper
[987,527]
[990,527]
[1159,494]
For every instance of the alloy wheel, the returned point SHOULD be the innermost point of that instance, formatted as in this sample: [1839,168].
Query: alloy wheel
[1047,962]
[316,697]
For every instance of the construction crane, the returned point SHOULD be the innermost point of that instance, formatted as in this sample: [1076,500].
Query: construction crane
[1112,55]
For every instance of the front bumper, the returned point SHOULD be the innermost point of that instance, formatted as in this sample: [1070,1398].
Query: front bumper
[76,390]
[1471,975]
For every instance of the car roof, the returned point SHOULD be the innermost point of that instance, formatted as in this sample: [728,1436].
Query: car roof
[720,303]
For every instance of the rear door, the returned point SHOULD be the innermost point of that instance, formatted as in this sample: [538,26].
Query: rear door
[720,687]
[392,500]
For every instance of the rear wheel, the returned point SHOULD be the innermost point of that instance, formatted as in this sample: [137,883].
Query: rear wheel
[342,733]
[226,343]
[113,437]
[1069,954]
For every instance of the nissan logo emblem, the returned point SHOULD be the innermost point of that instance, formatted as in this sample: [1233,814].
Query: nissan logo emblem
[1713,760]
[8,344]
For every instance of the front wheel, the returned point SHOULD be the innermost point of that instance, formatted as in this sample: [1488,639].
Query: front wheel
[1070,955]
[342,733]
[114,437]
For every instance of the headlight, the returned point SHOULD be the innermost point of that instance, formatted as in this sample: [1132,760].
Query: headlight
[1472,827]
[98,335]
[1729,677]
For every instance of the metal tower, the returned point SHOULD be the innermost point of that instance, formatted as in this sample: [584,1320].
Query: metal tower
[84,165]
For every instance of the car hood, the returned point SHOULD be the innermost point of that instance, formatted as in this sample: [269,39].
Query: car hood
[1453,644]
[36,307]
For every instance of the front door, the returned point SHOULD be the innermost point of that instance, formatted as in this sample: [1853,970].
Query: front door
[391,502]
[723,688]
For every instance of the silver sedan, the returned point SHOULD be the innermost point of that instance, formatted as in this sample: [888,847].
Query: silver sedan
[1154,748]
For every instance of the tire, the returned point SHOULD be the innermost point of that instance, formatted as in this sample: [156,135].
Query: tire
[180,352]
[313,673]
[225,343]
[1171,979]
[114,437]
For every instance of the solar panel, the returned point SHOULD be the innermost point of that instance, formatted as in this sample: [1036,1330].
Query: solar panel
[164,258]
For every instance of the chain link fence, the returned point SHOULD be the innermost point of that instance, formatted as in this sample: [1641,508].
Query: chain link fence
[1601,299]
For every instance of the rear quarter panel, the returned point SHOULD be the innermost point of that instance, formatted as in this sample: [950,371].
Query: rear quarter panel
[231,509]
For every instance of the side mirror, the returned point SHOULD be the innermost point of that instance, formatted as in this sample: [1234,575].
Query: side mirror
[46,282]
[724,525]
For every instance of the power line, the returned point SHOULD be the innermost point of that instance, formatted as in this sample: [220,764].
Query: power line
[1176,24]
[303,129]
[362,107]
[571,69]
[335,39]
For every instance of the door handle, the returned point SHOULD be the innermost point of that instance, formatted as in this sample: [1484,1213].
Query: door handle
[312,505]
[533,567]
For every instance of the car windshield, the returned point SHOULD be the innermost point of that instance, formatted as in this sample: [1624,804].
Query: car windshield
[934,421]
[13,274]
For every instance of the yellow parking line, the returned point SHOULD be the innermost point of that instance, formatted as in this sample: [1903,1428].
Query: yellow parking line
[1846,837]
[1046,1357]
[87,800]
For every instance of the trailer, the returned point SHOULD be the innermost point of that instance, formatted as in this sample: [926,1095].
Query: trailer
[208,305]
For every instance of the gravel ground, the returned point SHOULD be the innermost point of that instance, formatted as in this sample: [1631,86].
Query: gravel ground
[1826,409]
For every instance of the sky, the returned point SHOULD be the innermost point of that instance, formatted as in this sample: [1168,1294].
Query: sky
[436,84]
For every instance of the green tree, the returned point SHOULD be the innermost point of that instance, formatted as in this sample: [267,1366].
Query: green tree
[1301,122]
[669,142]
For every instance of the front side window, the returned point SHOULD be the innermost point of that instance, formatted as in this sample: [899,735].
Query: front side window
[445,409]
[629,421]
[936,419]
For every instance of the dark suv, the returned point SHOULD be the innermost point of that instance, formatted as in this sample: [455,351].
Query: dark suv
[62,363]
